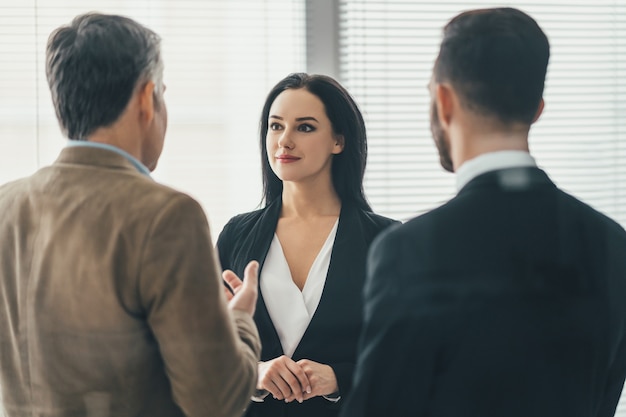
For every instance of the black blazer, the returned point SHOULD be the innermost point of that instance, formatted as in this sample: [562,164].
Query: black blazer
[509,300]
[332,335]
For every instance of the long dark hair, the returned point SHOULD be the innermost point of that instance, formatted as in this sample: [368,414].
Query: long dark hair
[348,167]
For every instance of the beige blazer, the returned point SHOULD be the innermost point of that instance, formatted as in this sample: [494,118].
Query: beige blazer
[111,302]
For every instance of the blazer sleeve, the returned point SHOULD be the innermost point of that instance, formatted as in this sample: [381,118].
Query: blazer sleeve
[210,353]
[345,371]
[223,247]
[616,248]
[614,384]
[387,381]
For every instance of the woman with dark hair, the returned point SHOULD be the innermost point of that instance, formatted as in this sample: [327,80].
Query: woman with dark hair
[311,240]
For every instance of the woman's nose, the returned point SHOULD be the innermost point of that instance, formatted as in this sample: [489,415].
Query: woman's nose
[284,141]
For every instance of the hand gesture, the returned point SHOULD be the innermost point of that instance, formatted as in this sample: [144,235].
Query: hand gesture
[242,295]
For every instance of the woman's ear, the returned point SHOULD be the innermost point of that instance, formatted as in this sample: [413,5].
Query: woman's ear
[339,144]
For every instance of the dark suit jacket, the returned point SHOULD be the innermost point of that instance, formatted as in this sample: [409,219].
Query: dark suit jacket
[509,300]
[333,333]
[111,300]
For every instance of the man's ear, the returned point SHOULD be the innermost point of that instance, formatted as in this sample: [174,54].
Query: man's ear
[146,102]
[340,142]
[444,100]
[539,111]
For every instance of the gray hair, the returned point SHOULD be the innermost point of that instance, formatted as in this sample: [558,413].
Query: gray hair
[93,66]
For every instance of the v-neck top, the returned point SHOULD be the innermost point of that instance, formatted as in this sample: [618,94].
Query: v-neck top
[332,335]
[290,309]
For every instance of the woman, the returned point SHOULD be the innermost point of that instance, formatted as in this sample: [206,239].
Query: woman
[311,240]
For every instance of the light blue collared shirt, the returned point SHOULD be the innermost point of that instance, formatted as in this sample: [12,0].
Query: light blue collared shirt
[140,167]
[490,162]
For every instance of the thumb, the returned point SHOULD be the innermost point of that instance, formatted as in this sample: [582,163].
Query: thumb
[251,277]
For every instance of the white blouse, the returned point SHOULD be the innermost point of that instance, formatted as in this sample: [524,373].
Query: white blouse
[289,308]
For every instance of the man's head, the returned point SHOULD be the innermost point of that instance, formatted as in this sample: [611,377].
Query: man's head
[96,65]
[495,60]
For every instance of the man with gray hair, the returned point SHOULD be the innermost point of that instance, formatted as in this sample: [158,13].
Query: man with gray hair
[111,302]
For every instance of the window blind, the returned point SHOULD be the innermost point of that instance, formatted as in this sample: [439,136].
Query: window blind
[221,59]
[387,50]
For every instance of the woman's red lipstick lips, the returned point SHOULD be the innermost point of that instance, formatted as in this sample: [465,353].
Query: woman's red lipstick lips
[286,158]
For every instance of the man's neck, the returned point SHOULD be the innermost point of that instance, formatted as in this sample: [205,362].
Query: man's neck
[120,138]
[469,144]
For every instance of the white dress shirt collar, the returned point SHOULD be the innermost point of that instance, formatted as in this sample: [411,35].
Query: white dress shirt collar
[490,162]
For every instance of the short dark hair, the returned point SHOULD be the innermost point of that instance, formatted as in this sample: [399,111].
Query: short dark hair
[496,59]
[93,66]
[348,167]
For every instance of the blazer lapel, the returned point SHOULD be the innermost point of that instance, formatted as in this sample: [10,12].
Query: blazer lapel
[345,270]
[262,236]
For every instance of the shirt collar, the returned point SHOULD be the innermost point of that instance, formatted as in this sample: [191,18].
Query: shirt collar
[490,162]
[140,167]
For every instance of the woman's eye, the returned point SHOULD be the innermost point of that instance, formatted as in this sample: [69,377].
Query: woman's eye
[306,128]
[275,126]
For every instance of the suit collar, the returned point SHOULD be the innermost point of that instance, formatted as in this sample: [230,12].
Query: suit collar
[490,162]
[509,179]
[97,157]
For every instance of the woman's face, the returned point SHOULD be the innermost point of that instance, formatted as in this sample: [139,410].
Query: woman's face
[300,141]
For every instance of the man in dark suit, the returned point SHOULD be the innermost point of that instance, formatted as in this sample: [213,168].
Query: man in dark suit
[510,299]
